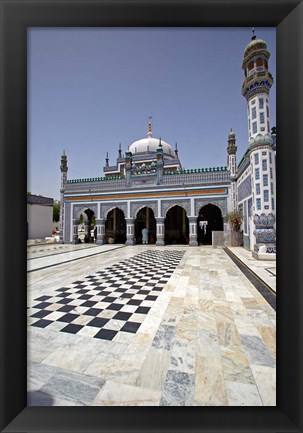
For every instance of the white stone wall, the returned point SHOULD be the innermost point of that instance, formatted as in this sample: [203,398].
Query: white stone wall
[40,221]
[260,109]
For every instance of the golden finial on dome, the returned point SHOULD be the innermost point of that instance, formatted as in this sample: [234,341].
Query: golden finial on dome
[150,127]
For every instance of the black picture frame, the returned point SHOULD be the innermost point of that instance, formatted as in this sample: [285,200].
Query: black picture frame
[16,17]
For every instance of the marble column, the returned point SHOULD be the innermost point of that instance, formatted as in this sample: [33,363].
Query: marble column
[193,230]
[130,231]
[160,231]
[86,230]
[100,231]
[75,231]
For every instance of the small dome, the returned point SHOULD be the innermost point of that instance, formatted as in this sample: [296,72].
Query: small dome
[260,44]
[231,134]
[149,144]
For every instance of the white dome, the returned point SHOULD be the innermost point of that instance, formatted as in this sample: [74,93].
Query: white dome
[150,144]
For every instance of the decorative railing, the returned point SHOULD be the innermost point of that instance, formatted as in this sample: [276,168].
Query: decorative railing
[95,179]
[179,177]
[95,184]
[197,176]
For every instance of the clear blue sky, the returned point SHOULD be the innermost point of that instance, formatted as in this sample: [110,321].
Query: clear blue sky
[90,89]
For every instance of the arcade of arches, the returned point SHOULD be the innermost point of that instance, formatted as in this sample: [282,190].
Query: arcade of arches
[175,226]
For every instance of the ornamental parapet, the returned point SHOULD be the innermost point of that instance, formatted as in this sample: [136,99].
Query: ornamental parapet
[95,184]
[195,177]
[95,179]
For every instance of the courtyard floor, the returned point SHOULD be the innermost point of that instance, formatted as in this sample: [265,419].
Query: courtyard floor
[142,325]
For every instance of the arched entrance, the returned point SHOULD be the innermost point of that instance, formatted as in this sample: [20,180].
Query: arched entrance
[176,226]
[145,218]
[115,226]
[86,224]
[209,220]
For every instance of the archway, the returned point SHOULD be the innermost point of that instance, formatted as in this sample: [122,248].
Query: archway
[115,226]
[176,226]
[209,220]
[145,218]
[86,224]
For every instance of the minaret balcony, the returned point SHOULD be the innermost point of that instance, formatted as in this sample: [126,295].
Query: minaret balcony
[257,85]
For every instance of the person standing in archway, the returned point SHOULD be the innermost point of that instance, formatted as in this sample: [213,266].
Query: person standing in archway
[144,236]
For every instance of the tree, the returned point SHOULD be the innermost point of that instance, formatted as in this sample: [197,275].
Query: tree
[235,220]
[56,211]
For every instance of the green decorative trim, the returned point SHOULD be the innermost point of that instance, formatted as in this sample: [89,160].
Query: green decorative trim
[95,179]
[197,170]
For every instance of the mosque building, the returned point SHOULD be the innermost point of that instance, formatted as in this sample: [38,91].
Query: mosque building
[147,187]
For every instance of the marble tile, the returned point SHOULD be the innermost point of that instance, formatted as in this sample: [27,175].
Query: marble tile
[124,337]
[82,320]
[154,369]
[38,374]
[117,394]
[232,296]
[223,312]
[164,337]
[242,394]
[217,291]
[206,306]
[42,398]
[69,359]
[183,356]
[256,351]
[259,317]
[55,315]
[78,388]
[209,382]
[205,294]
[187,328]
[207,343]
[142,338]
[268,335]
[251,303]
[265,378]
[178,389]
[228,334]
[236,366]
[111,367]
[245,326]
[150,324]
[206,321]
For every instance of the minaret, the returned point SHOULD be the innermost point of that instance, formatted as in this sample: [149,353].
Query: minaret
[176,151]
[256,86]
[160,163]
[257,83]
[119,151]
[63,168]
[231,166]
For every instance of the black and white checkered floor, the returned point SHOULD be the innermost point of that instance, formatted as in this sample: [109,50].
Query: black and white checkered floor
[116,299]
